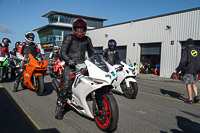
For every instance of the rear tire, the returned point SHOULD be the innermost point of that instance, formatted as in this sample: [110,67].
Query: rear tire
[107,117]
[39,85]
[175,76]
[1,75]
[132,91]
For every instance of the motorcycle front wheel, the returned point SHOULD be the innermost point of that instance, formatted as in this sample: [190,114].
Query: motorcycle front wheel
[39,85]
[1,75]
[130,92]
[107,115]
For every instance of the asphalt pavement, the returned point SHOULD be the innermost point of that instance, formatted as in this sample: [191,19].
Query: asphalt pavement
[158,108]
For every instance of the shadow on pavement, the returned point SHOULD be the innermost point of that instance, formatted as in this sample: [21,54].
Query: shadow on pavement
[48,88]
[13,119]
[186,126]
[173,94]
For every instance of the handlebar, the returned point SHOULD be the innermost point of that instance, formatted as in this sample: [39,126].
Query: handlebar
[120,68]
[73,74]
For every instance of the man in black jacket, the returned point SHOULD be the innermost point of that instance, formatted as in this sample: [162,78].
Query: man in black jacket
[72,51]
[111,54]
[189,65]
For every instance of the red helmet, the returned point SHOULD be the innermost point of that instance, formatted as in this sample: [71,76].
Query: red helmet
[79,23]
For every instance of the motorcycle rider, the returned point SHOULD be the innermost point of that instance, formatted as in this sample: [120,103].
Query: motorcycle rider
[111,54]
[73,50]
[54,55]
[28,47]
[4,47]
[5,50]
[16,47]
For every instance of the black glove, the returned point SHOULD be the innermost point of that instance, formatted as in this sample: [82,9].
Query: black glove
[71,63]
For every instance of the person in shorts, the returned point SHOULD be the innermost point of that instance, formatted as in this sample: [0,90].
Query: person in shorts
[190,68]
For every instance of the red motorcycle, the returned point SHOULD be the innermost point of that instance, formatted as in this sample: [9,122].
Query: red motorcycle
[57,69]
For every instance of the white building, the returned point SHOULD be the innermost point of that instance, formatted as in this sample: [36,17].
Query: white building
[160,38]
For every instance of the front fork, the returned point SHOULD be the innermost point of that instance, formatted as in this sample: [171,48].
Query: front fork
[34,80]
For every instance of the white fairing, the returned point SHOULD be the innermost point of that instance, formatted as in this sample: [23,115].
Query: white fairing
[128,74]
[84,85]
[2,59]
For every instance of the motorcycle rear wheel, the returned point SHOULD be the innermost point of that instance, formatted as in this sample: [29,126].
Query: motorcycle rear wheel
[39,85]
[107,117]
[132,91]
[175,76]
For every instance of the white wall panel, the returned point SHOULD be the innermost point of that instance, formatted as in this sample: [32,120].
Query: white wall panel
[183,25]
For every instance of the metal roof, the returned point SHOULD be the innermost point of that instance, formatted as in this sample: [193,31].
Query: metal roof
[72,15]
[167,14]
[64,25]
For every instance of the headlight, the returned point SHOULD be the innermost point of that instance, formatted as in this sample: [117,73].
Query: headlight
[133,70]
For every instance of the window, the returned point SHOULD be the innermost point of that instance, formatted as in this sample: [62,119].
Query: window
[57,35]
[46,36]
[68,20]
[53,19]
[62,18]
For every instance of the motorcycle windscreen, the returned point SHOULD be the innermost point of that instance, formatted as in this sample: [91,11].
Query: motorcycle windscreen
[127,61]
[99,62]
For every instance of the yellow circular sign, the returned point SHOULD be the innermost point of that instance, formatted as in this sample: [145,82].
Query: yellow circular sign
[194,53]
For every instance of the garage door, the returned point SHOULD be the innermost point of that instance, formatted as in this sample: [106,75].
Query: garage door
[122,52]
[151,49]
[98,50]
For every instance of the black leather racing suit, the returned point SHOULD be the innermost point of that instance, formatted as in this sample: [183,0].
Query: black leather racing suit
[14,51]
[74,49]
[111,56]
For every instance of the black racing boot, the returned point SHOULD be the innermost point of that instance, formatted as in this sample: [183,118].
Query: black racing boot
[59,111]
[69,94]
[15,87]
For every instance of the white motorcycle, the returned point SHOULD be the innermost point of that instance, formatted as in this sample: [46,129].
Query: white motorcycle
[126,83]
[92,92]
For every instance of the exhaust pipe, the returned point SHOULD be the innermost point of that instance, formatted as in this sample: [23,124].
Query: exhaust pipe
[55,85]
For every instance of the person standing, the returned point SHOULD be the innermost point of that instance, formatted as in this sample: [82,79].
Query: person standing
[189,66]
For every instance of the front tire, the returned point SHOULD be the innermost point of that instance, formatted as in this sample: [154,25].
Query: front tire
[1,75]
[106,118]
[132,91]
[39,85]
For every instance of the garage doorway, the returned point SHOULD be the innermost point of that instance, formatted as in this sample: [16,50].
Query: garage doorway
[122,52]
[196,43]
[150,58]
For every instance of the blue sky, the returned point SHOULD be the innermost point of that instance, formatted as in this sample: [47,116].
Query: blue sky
[20,16]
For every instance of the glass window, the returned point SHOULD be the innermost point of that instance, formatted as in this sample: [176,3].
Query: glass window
[53,19]
[57,35]
[62,18]
[46,36]
[68,20]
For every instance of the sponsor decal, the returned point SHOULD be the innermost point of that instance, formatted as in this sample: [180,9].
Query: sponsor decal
[194,53]
[107,75]
[113,74]
[27,75]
